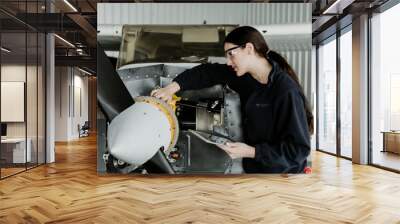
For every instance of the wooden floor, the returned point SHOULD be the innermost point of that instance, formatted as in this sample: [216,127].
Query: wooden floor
[70,191]
[387,159]
[10,171]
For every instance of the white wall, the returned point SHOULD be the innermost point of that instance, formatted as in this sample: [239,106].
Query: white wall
[33,125]
[14,73]
[61,103]
[17,73]
[71,102]
[80,109]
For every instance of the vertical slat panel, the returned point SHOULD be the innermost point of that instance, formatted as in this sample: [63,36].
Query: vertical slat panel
[196,13]
[301,64]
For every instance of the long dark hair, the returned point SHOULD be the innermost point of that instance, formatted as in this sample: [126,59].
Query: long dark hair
[248,34]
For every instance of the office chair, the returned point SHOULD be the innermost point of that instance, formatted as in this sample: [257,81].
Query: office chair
[84,130]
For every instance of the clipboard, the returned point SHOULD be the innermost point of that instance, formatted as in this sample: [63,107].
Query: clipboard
[210,139]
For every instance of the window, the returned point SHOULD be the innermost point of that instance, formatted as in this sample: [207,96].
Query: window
[346,94]
[22,75]
[385,89]
[327,96]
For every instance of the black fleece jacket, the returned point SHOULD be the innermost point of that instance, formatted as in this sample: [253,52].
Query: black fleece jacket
[274,117]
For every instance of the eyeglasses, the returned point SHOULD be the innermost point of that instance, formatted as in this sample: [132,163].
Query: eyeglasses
[230,52]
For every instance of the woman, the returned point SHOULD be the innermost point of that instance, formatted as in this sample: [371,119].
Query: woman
[276,117]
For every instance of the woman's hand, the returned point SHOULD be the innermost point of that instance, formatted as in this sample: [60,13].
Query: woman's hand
[238,150]
[167,92]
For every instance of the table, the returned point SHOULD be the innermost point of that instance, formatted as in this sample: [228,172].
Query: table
[391,141]
[16,147]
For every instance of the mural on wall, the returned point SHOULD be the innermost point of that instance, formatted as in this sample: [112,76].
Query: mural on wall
[201,129]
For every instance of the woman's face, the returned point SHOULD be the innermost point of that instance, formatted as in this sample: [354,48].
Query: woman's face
[236,57]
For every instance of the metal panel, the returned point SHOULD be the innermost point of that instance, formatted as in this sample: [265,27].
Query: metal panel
[300,60]
[197,13]
[277,13]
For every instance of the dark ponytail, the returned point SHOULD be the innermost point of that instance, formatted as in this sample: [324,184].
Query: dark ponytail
[289,70]
[247,34]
